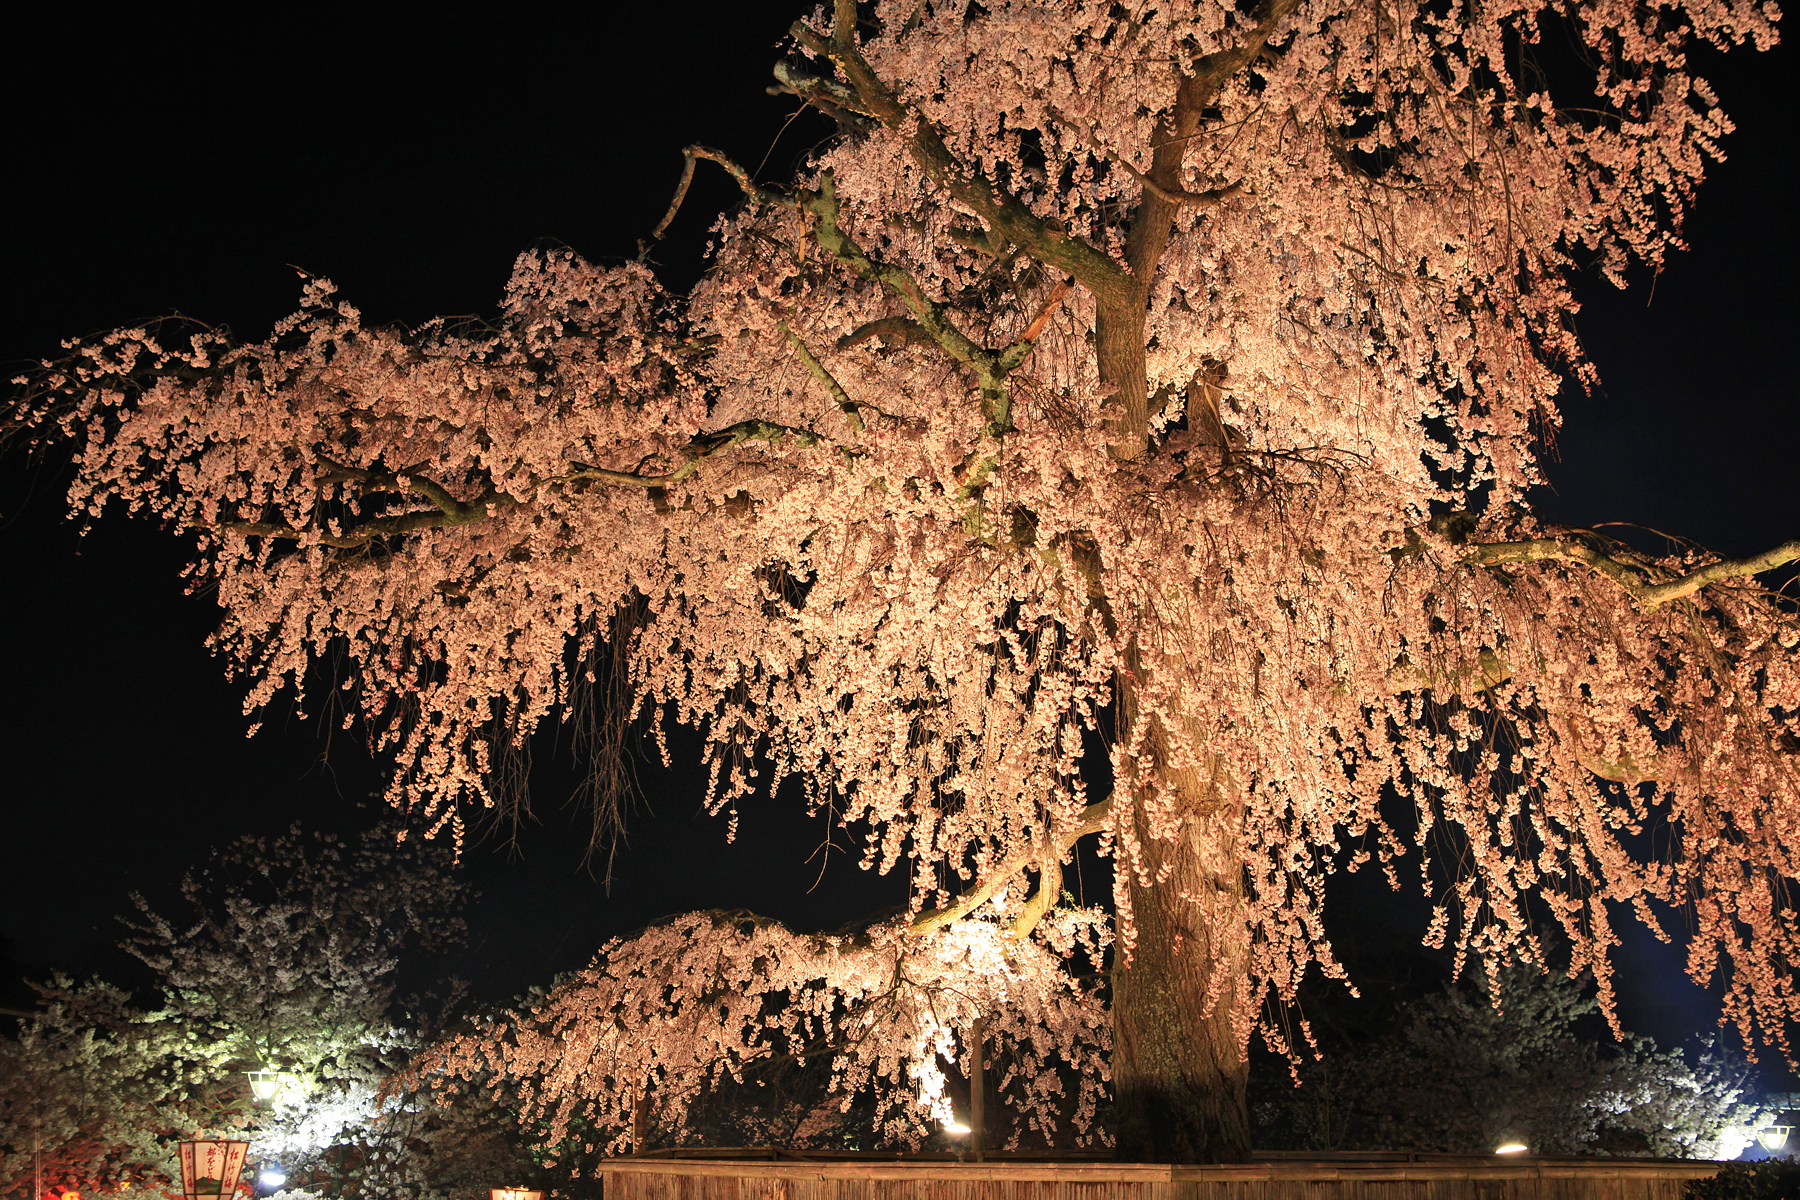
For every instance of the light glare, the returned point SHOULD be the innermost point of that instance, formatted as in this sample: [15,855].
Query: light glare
[1510,1148]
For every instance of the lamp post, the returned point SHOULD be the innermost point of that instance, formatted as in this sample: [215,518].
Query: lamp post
[210,1167]
[264,1085]
[1773,1137]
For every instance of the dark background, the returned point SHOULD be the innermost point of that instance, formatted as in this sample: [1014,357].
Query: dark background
[159,164]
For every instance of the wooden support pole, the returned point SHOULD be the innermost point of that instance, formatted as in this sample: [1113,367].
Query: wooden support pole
[977,1087]
[640,1118]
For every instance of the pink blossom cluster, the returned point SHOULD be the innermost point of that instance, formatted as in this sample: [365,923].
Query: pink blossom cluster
[700,998]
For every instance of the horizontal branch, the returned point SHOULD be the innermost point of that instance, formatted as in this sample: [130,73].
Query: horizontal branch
[1638,580]
[1174,195]
[1095,818]
[451,512]
[892,330]
[448,511]
[702,447]
[362,535]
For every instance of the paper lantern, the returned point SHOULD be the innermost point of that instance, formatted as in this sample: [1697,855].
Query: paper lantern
[211,1169]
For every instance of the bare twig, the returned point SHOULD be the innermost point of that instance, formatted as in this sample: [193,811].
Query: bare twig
[689,156]
[1016,353]
[1206,199]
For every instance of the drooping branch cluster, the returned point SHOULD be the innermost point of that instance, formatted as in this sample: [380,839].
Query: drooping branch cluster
[701,999]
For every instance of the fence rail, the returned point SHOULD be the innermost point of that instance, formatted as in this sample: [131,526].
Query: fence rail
[761,1173]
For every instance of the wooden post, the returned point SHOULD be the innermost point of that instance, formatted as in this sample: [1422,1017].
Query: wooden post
[640,1118]
[977,1088]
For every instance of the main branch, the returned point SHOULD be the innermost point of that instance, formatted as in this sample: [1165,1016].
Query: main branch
[1646,584]
[1003,212]
[1046,854]
[451,512]
[930,320]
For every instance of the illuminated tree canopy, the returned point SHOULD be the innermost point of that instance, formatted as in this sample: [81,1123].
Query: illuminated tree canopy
[1161,377]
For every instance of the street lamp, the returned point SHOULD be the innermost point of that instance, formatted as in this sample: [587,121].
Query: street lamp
[1773,1137]
[210,1168]
[1511,1148]
[265,1085]
[515,1194]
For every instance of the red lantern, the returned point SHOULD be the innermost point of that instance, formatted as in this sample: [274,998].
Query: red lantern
[211,1169]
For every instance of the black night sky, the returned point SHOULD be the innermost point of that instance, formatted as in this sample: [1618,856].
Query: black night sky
[159,163]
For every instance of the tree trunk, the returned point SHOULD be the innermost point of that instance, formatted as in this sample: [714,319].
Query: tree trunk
[1179,1077]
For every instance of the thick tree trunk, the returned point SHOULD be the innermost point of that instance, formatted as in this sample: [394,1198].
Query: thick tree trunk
[1178,1078]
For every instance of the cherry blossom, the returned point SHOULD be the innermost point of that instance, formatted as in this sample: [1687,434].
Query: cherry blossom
[1170,375]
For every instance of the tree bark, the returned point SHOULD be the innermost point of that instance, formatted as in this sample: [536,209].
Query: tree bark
[1178,1071]
[1178,1074]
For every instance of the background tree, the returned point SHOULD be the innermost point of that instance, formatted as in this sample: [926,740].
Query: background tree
[93,1091]
[285,957]
[1464,1070]
[1169,378]
[285,954]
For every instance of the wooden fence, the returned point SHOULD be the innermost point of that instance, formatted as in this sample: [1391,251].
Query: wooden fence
[784,1175]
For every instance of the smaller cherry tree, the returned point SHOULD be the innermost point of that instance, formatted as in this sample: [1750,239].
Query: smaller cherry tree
[92,1091]
[282,956]
[284,950]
